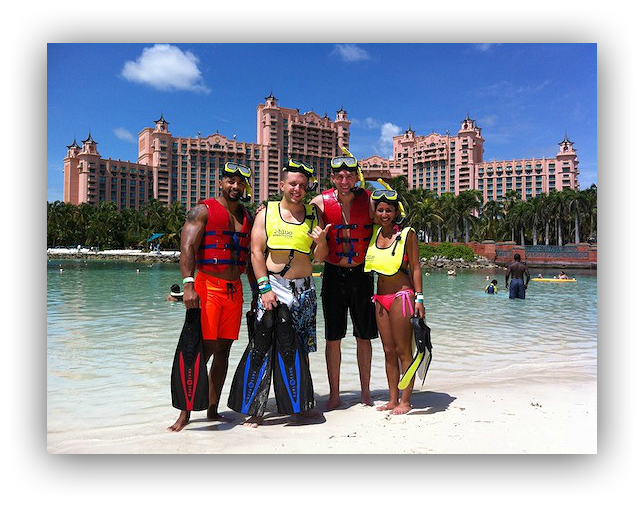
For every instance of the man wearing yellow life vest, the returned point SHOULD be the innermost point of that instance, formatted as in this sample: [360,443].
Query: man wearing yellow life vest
[215,240]
[283,236]
[345,285]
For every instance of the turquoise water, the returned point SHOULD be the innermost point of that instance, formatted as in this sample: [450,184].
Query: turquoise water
[111,337]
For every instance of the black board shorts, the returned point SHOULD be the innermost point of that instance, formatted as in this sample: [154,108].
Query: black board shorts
[348,288]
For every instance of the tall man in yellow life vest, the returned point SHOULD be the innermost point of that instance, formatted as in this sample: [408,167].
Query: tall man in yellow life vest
[345,285]
[283,236]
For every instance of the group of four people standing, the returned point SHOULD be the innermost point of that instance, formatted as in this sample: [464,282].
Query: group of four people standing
[220,241]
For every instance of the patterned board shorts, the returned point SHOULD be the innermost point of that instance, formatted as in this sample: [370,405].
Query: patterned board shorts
[299,296]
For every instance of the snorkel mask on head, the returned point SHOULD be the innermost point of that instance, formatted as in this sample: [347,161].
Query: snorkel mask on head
[242,171]
[302,168]
[349,163]
[389,195]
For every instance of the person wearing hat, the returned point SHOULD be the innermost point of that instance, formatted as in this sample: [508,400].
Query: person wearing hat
[176,295]
[284,235]
[345,285]
[215,242]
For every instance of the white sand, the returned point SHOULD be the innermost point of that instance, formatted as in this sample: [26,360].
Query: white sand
[512,419]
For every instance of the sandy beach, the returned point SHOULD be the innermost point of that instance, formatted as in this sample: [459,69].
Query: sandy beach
[506,378]
[525,419]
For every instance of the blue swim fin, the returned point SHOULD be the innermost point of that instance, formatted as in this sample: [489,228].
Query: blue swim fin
[291,374]
[252,380]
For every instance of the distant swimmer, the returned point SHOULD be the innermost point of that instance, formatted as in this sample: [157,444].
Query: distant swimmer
[517,269]
[176,295]
[491,288]
[562,275]
[451,272]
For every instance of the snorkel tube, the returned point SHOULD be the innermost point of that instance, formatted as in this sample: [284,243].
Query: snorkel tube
[403,215]
[246,196]
[348,153]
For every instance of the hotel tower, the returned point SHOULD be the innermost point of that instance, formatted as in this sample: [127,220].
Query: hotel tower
[187,170]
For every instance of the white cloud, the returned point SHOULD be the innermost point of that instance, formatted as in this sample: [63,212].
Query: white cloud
[368,123]
[166,68]
[386,142]
[351,52]
[123,134]
[484,48]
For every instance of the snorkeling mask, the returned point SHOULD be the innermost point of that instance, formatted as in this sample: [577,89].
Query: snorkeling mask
[389,195]
[349,163]
[242,171]
[303,168]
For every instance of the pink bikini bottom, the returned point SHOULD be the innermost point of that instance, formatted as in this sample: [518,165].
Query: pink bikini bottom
[387,300]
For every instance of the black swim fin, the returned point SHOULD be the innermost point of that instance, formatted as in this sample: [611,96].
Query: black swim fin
[252,380]
[423,356]
[189,379]
[291,374]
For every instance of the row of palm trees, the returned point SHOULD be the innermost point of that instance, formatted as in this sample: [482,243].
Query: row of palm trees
[557,217]
[106,227]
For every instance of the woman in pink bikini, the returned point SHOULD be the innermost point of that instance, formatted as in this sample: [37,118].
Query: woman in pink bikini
[393,254]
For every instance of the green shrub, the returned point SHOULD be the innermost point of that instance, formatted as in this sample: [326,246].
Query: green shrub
[446,250]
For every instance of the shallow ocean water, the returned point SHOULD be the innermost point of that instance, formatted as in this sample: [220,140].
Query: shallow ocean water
[111,337]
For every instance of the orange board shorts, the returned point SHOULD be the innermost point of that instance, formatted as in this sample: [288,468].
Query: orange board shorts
[221,306]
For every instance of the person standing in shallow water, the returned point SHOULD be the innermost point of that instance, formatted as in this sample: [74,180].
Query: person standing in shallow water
[215,240]
[517,269]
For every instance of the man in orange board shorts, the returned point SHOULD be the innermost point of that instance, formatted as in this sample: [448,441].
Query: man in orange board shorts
[215,240]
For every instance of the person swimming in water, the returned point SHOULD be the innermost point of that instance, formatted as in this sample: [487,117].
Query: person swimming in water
[176,295]
[491,288]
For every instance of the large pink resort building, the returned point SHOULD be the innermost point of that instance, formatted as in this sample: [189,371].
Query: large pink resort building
[186,170]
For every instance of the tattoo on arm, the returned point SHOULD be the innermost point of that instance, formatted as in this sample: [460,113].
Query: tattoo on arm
[193,213]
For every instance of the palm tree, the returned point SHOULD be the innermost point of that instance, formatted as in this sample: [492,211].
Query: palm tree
[105,226]
[176,218]
[424,213]
[466,202]
[510,200]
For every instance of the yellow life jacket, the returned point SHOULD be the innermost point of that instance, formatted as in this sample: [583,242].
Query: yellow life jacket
[386,261]
[289,236]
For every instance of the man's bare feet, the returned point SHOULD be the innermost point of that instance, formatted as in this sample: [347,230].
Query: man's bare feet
[181,422]
[333,403]
[387,406]
[365,399]
[253,422]
[402,408]
[213,415]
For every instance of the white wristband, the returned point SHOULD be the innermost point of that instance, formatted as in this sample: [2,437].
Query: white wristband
[188,279]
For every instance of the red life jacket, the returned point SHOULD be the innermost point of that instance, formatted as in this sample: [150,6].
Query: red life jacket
[359,227]
[221,247]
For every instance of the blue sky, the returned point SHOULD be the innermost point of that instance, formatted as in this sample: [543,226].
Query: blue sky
[525,97]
